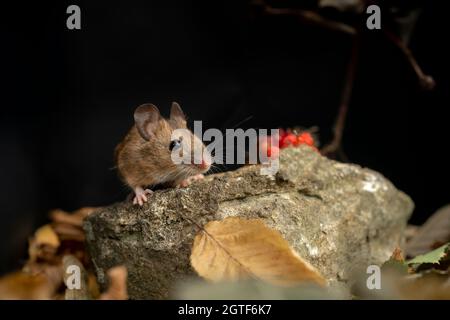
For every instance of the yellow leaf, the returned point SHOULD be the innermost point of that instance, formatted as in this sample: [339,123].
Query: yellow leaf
[44,244]
[236,248]
[45,235]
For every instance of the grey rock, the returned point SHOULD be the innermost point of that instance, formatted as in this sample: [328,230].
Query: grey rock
[339,217]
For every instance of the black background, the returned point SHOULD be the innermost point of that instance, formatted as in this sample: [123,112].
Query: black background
[67,96]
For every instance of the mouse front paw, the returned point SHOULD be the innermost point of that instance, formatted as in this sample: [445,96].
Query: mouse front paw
[141,195]
[188,181]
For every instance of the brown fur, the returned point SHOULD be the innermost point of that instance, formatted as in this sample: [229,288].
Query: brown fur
[144,163]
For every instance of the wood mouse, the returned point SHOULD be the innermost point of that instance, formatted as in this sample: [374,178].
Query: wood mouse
[144,158]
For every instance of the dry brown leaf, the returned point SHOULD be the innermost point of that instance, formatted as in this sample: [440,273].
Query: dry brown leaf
[69,232]
[432,285]
[21,285]
[45,235]
[44,244]
[397,255]
[117,289]
[85,211]
[69,226]
[42,275]
[434,233]
[53,272]
[60,216]
[81,293]
[236,248]
[75,218]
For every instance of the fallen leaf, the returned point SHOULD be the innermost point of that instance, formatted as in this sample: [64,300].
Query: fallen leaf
[45,235]
[70,263]
[117,289]
[75,218]
[432,234]
[69,232]
[44,244]
[20,285]
[236,248]
[52,271]
[197,289]
[434,257]
[42,275]
[429,285]
[397,255]
[396,263]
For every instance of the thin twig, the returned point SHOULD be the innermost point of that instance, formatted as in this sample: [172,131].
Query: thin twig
[426,81]
[314,18]
[338,129]
[309,17]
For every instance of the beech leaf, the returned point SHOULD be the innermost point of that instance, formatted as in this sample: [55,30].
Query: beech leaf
[44,244]
[45,235]
[236,248]
[21,285]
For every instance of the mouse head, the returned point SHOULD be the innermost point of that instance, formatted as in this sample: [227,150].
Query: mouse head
[169,139]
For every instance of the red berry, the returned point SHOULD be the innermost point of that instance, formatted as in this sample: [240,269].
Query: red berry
[305,138]
[288,140]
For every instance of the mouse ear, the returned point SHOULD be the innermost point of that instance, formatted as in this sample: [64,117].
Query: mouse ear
[177,116]
[146,118]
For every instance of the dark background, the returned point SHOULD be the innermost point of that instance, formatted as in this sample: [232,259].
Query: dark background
[67,97]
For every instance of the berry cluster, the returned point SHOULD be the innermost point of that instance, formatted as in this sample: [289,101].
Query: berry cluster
[287,138]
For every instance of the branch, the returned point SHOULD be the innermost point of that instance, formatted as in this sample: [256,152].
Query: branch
[338,129]
[311,17]
[426,81]
[308,17]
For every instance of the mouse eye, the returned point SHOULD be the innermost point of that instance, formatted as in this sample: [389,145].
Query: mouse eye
[174,144]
